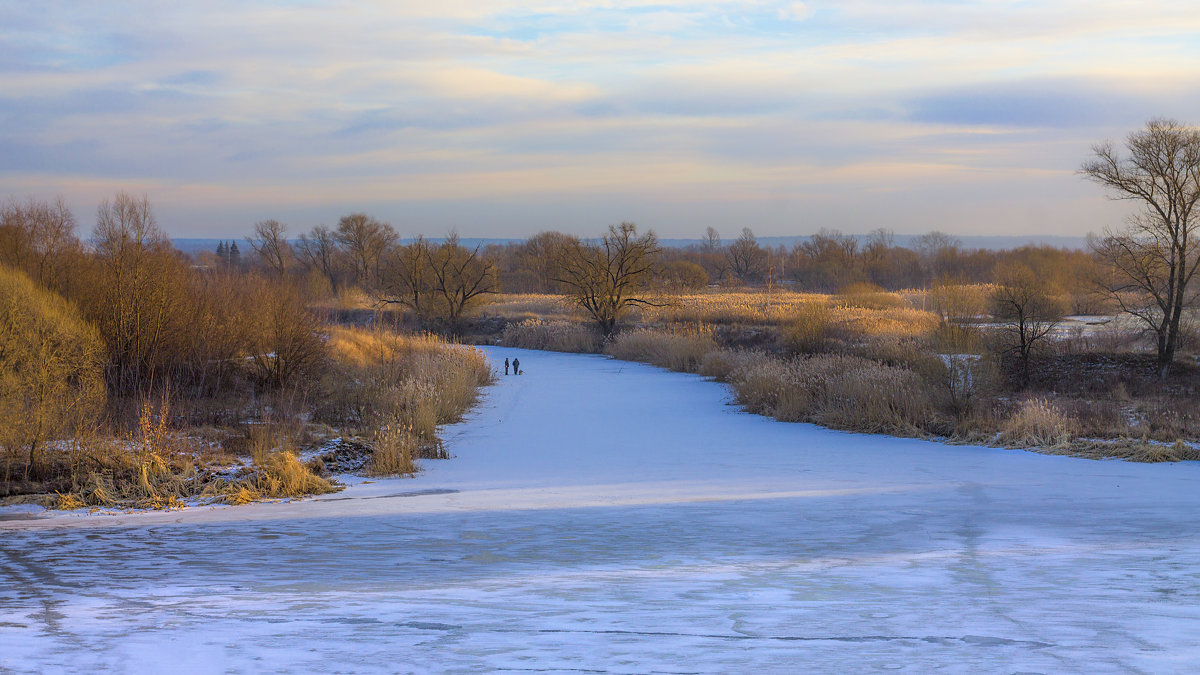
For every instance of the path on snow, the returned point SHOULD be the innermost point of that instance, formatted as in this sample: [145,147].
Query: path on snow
[612,517]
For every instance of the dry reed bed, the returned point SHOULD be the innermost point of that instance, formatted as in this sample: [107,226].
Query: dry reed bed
[554,336]
[867,315]
[842,392]
[397,389]
[906,393]
[522,306]
[680,348]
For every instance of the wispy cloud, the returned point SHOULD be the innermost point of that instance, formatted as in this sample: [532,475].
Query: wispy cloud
[506,117]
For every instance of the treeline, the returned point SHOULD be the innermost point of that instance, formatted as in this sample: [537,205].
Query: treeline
[828,262]
[159,316]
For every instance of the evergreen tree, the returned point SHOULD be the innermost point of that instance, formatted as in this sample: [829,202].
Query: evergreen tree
[221,256]
[235,256]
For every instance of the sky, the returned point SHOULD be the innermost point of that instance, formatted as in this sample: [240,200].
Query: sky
[500,118]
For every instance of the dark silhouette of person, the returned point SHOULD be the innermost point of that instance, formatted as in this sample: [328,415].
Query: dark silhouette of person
[516,367]
[505,366]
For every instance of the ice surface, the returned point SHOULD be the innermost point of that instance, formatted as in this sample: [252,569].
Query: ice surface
[607,516]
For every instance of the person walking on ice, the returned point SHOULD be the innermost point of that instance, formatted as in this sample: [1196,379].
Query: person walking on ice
[516,367]
[505,366]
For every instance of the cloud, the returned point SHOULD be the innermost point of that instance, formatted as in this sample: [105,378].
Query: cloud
[1063,103]
[796,11]
[775,112]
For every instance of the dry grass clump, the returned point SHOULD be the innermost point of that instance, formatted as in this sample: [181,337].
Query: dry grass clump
[159,468]
[843,392]
[282,474]
[155,468]
[680,348]
[895,322]
[1038,422]
[395,452]
[1171,419]
[555,336]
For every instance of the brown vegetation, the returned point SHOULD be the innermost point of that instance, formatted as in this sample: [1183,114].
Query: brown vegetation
[133,376]
[555,336]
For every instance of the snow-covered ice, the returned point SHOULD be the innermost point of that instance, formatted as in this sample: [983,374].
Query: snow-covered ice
[608,516]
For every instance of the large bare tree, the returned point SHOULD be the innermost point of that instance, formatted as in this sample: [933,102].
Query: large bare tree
[438,283]
[1154,259]
[407,279]
[537,256]
[271,244]
[140,277]
[319,251]
[608,278]
[365,240]
[747,260]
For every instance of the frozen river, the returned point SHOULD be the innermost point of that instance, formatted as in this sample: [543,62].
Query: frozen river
[602,516]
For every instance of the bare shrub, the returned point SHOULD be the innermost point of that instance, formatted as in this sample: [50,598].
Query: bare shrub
[285,343]
[1171,419]
[555,336]
[680,349]
[1038,422]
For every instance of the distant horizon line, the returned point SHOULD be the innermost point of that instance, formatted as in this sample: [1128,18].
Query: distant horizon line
[974,241]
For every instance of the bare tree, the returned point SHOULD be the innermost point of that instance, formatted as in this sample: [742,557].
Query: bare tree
[39,238]
[271,244]
[140,281]
[1154,258]
[364,239]
[609,278]
[1025,308]
[747,260]
[828,261]
[407,279]
[461,278]
[712,239]
[537,255]
[438,283]
[934,249]
[319,251]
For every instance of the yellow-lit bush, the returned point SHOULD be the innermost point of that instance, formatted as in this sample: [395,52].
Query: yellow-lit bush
[381,378]
[51,372]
